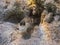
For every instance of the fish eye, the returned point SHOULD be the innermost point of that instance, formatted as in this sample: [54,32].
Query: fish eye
[22,23]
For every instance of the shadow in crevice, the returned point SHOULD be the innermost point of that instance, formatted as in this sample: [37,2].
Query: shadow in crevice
[13,17]
[26,36]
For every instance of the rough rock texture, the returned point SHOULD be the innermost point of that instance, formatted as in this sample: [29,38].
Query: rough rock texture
[25,32]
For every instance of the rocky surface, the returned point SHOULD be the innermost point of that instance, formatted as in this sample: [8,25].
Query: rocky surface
[15,30]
